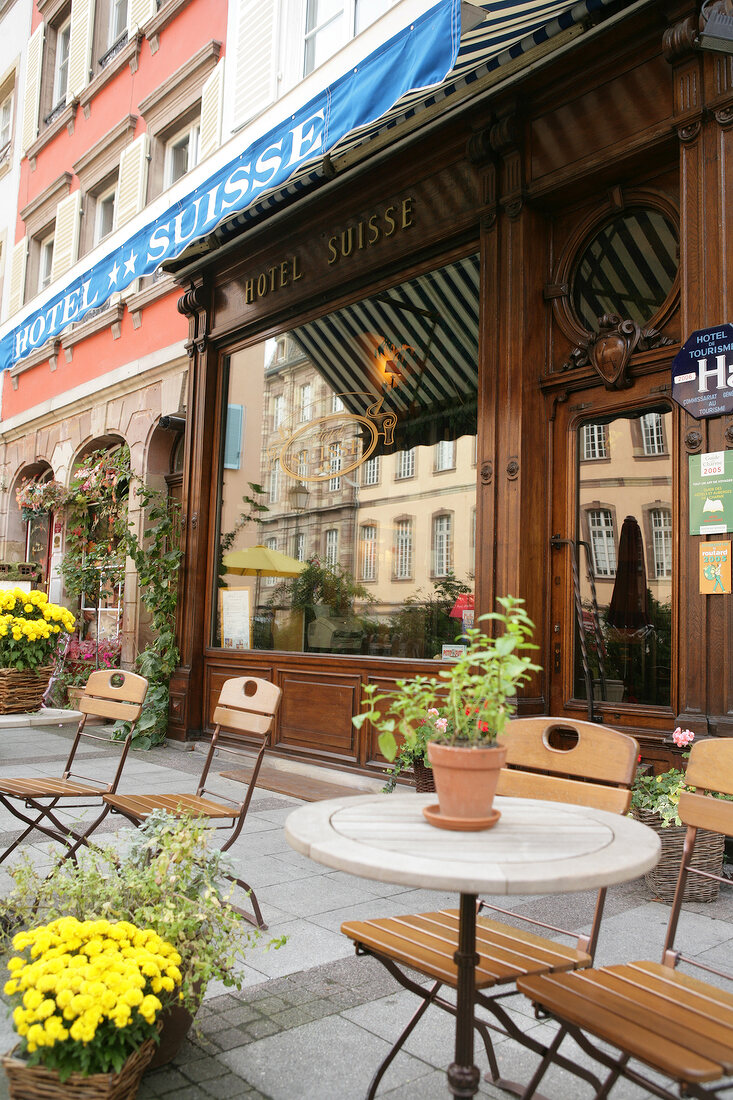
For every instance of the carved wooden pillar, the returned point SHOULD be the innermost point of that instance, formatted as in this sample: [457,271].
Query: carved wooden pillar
[186,718]
[703,115]
[514,335]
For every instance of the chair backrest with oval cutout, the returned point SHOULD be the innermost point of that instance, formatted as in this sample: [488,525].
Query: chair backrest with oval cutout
[596,768]
[247,705]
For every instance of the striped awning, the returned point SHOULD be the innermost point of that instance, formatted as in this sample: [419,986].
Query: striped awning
[513,34]
[423,337]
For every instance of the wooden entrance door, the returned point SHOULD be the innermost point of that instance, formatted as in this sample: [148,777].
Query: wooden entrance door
[612,511]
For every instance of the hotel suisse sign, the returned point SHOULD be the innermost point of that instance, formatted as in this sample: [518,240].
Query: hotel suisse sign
[702,372]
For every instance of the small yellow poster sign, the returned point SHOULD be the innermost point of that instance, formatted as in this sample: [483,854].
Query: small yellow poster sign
[714,567]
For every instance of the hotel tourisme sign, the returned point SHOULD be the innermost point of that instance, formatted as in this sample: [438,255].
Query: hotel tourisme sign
[702,372]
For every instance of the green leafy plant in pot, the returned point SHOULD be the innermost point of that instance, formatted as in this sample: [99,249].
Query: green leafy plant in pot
[477,697]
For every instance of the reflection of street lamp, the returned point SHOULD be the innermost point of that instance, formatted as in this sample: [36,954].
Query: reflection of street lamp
[299,497]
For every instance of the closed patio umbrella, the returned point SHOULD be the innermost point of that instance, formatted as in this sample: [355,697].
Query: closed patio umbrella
[628,610]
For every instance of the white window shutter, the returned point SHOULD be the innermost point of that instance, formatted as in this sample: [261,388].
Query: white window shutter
[255,82]
[138,13]
[133,178]
[66,236]
[212,102]
[17,276]
[32,94]
[80,47]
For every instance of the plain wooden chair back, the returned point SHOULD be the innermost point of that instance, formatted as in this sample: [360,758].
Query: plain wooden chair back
[596,770]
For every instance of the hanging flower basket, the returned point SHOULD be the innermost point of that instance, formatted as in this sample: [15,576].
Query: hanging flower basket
[37,498]
[38,1083]
[22,690]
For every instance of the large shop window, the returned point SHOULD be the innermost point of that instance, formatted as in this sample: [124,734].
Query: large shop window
[347,525]
[624,533]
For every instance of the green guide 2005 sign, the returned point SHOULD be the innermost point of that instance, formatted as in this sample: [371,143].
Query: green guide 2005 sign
[711,493]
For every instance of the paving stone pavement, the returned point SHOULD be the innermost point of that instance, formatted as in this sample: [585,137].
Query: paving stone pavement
[313,1021]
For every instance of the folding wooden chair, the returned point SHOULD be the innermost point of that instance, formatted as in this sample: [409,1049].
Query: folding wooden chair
[596,771]
[109,693]
[666,1020]
[246,706]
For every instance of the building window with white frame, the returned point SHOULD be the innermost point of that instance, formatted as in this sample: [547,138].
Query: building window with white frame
[337,403]
[652,432]
[117,21]
[270,582]
[332,546]
[104,217]
[403,550]
[442,545]
[595,441]
[602,542]
[182,153]
[370,471]
[61,63]
[445,455]
[278,411]
[368,554]
[334,482]
[405,464]
[304,403]
[45,262]
[302,464]
[6,122]
[299,546]
[661,521]
[330,24]
[274,482]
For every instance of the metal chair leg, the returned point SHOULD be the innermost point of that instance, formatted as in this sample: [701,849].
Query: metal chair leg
[254,918]
[397,1046]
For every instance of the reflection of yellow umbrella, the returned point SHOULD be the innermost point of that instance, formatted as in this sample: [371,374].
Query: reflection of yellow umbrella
[261,561]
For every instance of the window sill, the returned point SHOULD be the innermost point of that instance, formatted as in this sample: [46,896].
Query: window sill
[110,317]
[127,56]
[49,351]
[136,303]
[65,119]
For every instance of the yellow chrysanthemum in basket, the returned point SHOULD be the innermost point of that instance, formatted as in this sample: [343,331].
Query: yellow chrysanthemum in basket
[30,628]
[88,993]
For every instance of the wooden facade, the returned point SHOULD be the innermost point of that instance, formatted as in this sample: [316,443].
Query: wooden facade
[630,114]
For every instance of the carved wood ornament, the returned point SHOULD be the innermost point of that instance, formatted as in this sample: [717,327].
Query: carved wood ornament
[610,349]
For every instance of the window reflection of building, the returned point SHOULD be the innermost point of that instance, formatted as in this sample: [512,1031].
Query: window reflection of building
[376,554]
[635,480]
[602,541]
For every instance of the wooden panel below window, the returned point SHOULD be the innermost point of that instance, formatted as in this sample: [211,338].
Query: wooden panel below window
[316,714]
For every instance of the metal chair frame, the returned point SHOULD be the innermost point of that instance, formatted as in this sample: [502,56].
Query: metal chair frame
[686,1031]
[598,771]
[246,705]
[102,698]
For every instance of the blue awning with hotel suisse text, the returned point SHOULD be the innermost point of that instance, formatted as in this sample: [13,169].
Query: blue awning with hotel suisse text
[388,83]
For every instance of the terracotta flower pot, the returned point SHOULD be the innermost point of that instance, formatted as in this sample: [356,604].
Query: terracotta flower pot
[465,780]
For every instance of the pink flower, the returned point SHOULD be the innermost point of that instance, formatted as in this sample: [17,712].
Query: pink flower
[432,712]
[441,723]
[683,738]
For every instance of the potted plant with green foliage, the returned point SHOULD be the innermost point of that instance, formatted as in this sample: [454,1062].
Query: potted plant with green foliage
[654,802]
[170,880]
[477,697]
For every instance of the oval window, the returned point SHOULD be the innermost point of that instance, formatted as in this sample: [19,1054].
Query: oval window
[627,267]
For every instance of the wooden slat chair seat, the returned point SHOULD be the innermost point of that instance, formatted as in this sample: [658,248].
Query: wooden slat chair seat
[597,770]
[109,693]
[246,708]
[664,1018]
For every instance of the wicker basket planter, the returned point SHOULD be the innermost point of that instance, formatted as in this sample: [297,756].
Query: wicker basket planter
[709,850]
[39,1083]
[22,690]
[424,779]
